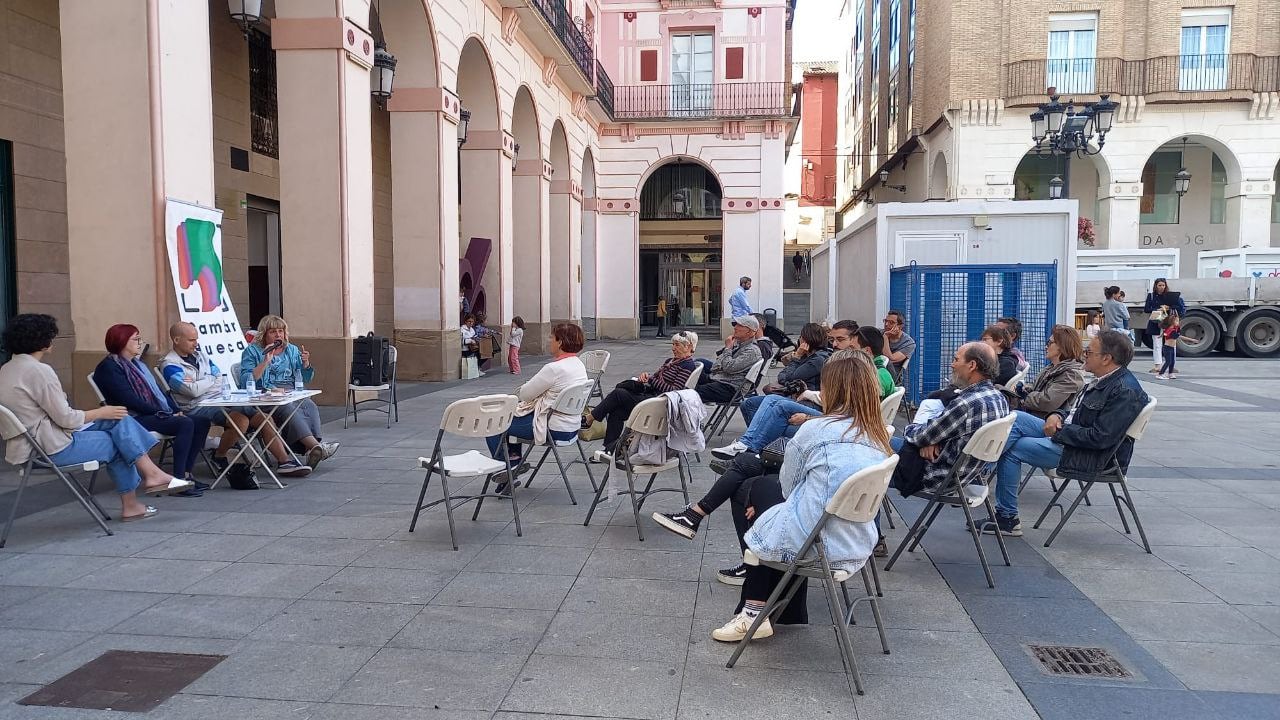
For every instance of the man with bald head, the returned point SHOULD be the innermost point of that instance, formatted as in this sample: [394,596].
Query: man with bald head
[940,440]
[192,377]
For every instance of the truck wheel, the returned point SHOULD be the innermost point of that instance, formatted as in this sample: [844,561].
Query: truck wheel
[1259,335]
[1200,334]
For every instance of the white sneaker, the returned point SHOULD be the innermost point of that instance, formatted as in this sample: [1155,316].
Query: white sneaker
[736,629]
[1162,377]
[728,452]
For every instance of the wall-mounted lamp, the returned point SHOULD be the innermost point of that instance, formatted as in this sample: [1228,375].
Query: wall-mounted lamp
[884,182]
[464,119]
[245,13]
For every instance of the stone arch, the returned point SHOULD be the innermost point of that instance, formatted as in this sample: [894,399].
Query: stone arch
[409,31]
[531,277]
[939,180]
[480,164]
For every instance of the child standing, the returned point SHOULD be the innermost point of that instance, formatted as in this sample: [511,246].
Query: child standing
[513,344]
[1093,327]
[1170,331]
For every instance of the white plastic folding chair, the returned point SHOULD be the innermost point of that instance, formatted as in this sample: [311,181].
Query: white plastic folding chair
[890,405]
[352,406]
[856,500]
[10,428]
[648,417]
[965,489]
[596,362]
[166,441]
[1019,377]
[722,413]
[694,377]
[1111,476]
[572,402]
[475,418]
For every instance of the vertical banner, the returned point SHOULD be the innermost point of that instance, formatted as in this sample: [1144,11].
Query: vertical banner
[193,235]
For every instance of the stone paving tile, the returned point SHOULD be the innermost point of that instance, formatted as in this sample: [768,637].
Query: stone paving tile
[906,698]
[714,692]
[1153,585]
[533,592]
[649,564]
[437,679]
[205,546]
[485,630]
[1217,666]
[23,649]
[203,616]
[596,686]
[1059,702]
[263,580]
[270,670]
[365,528]
[51,570]
[247,523]
[76,609]
[667,598]
[384,585]
[522,560]
[311,551]
[617,635]
[150,575]
[1190,622]
[326,622]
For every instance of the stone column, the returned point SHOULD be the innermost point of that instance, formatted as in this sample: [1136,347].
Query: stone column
[618,245]
[590,264]
[326,185]
[1119,208]
[138,127]
[531,216]
[486,215]
[1248,213]
[564,261]
[424,171]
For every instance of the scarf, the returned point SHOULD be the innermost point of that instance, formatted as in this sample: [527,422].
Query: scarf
[138,383]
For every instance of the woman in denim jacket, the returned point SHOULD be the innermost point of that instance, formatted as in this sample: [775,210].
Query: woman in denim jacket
[825,452]
[273,362]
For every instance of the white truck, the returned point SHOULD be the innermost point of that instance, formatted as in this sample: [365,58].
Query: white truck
[1234,304]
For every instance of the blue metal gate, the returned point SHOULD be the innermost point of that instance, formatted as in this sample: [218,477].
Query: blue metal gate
[948,305]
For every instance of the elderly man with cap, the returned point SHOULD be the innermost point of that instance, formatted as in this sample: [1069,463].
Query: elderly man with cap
[729,371]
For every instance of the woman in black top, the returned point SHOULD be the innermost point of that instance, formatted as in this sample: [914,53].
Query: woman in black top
[998,338]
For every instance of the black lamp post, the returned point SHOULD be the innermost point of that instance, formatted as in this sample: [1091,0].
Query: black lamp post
[1059,129]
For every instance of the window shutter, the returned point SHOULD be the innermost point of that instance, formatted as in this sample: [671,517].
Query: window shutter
[648,66]
[733,63]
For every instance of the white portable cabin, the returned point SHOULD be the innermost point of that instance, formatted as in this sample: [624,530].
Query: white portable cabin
[1243,262]
[857,260]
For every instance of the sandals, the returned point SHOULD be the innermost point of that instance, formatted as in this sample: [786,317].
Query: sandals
[148,512]
[175,486]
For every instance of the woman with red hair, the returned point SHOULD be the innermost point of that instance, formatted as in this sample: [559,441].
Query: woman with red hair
[124,380]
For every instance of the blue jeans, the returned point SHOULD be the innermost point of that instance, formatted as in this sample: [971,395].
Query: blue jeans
[215,417]
[1026,444]
[522,427]
[116,443]
[769,419]
[750,406]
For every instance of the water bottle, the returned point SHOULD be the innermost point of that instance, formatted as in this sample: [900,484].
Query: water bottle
[251,386]
[226,387]
[298,384]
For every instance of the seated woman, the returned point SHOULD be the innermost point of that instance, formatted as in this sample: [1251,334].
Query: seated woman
[273,362]
[672,375]
[806,364]
[847,437]
[30,389]
[124,380]
[1002,342]
[1057,384]
[533,417]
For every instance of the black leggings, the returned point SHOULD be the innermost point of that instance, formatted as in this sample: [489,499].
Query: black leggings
[189,434]
[614,409]
[761,493]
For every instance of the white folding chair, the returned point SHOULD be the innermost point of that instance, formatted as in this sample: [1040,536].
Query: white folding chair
[648,417]
[11,428]
[1013,381]
[965,487]
[479,417]
[856,500]
[890,405]
[692,382]
[596,362]
[1111,476]
[166,441]
[722,413]
[572,402]
[352,407]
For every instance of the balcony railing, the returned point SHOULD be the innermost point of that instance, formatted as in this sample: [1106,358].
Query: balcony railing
[604,89]
[557,16]
[1027,80]
[709,100]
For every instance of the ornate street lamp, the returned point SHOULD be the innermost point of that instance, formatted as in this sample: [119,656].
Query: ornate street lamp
[678,205]
[383,73]
[884,182]
[1059,129]
[1182,180]
[464,119]
[245,13]
[515,155]
[1055,188]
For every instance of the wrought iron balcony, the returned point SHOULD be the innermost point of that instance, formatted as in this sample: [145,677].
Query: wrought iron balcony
[557,35]
[604,90]
[705,101]
[1168,77]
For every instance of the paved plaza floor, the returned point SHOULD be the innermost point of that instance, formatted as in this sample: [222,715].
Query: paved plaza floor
[327,608]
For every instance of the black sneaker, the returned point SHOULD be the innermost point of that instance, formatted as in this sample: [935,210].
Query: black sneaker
[219,463]
[881,550]
[720,467]
[733,576]
[1007,525]
[684,523]
[200,486]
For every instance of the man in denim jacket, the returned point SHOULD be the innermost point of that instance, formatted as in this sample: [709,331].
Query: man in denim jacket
[1078,440]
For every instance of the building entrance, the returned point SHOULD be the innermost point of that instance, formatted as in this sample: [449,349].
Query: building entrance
[693,278]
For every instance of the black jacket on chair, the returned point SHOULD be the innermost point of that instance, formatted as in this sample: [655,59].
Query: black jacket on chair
[1094,443]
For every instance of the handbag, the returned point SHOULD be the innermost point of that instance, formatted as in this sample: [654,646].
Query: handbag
[771,455]
[470,368]
[240,477]
[595,432]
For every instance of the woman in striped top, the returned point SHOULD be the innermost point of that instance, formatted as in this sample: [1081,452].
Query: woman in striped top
[616,407]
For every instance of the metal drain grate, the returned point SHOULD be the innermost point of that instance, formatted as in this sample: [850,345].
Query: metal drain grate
[1079,661]
[125,681]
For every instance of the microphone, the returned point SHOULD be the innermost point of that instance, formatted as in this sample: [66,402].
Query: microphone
[275,345]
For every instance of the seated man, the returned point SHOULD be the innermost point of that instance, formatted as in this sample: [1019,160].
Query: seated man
[928,451]
[192,377]
[1076,439]
[901,345]
[773,416]
[729,371]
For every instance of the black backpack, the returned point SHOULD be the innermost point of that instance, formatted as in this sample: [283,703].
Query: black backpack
[240,477]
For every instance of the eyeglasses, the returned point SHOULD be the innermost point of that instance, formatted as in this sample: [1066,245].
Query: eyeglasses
[137,339]
[1051,342]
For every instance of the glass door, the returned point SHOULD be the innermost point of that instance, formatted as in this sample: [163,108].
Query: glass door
[696,297]
[692,73]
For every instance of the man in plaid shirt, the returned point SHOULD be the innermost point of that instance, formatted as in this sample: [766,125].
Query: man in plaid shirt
[941,439]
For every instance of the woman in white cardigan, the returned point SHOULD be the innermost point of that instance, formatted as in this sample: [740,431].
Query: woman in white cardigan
[30,389]
[533,417]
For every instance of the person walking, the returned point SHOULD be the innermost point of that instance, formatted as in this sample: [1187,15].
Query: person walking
[738,303]
[662,316]
[797,264]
